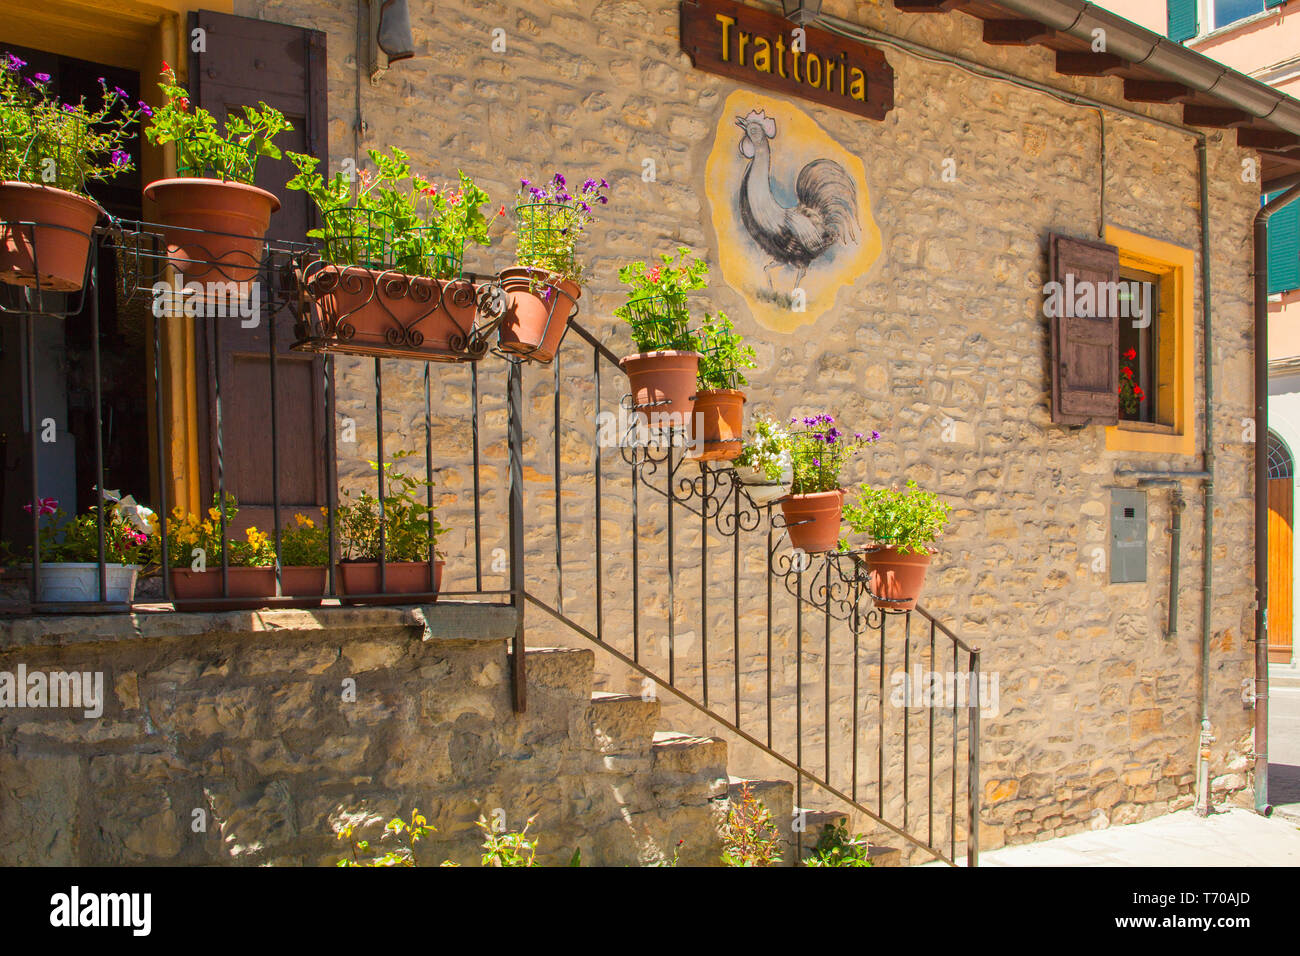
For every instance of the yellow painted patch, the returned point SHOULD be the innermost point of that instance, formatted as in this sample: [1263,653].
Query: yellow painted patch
[798,141]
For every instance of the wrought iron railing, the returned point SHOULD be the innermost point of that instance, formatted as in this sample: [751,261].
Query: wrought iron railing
[784,650]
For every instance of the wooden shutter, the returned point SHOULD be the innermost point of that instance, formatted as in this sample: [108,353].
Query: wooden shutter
[1085,350]
[1182,20]
[1274,3]
[1284,248]
[247,61]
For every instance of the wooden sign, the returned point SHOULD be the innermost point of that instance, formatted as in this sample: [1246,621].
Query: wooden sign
[759,48]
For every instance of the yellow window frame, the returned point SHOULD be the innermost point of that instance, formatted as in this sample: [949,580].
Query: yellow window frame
[1175,434]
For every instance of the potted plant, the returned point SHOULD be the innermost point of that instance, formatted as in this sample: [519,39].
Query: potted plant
[544,284]
[902,525]
[408,544]
[194,550]
[813,509]
[719,419]
[70,554]
[49,152]
[764,465]
[215,219]
[304,560]
[663,370]
[390,280]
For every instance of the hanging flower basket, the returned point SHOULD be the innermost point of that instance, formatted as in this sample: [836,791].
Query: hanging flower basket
[896,578]
[538,312]
[812,521]
[718,422]
[215,230]
[47,229]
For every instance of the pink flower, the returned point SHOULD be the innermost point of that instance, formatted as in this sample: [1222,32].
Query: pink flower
[47,506]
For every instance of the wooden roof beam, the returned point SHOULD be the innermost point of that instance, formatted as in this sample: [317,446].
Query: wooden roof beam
[928,6]
[1217,117]
[1077,63]
[1016,32]
[1253,138]
[1156,91]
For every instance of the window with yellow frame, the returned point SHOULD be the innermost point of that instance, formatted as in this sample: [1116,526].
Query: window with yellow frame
[1156,347]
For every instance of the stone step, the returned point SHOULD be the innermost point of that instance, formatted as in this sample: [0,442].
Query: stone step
[688,755]
[566,670]
[622,723]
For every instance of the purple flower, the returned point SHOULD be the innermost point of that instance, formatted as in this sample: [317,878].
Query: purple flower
[564,197]
[559,180]
[524,184]
[601,199]
[120,157]
[69,108]
[119,92]
[145,109]
[102,81]
[817,462]
[41,77]
[13,63]
[875,435]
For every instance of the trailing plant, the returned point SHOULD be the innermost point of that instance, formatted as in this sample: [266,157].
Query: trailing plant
[819,451]
[76,539]
[908,520]
[768,449]
[508,848]
[188,533]
[656,306]
[836,846]
[304,543]
[228,151]
[722,354]
[550,221]
[749,837]
[394,217]
[404,835]
[46,141]
[1130,393]
[410,526]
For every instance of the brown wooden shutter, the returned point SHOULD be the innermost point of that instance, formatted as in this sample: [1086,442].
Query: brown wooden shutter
[247,61]
[1085,350]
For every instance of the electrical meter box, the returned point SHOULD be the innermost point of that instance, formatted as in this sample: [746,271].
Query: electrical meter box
[1128,535]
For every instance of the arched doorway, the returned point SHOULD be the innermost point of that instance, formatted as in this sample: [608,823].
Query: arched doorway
[1281,496]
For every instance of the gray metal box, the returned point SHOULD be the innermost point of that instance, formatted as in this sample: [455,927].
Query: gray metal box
[1128,535]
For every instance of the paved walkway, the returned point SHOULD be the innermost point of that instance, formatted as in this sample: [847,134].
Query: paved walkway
[1234,837]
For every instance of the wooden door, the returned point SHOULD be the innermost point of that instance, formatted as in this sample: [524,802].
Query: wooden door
[247,61]
[1280,498]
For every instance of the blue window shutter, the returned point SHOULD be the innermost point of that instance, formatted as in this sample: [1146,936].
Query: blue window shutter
[1274,3]
[1182,20]
[1284,249]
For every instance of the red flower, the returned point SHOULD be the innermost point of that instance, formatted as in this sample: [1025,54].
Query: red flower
[654,274]
[1137,390]
[1126,372]
[1130,355]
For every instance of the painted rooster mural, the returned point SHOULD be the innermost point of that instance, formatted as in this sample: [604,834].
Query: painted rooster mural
[825,210]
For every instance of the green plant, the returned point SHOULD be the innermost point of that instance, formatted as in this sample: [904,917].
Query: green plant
[656,306]
[508,848]
[76,539]
[1130,392]
[187,533]
[305,543]
[748,836]
[229,153]
[405,835]
[672,860]
[394,217]
[410,527]
[550,222]
[908,520]
[722,356]
[837,847]
[46,141]
[819,451]
[768,449]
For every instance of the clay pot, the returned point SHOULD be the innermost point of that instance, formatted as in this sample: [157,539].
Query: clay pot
[813,521]
[719,417]
[897,578]
[538,312]
[402,579]
[233,219]
[60,253]
[380,312]
[304,584]
[663,385]
[201,590]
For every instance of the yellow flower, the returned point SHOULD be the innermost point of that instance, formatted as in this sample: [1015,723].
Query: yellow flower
[214,514]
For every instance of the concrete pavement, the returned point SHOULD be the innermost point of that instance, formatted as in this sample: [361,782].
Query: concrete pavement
[1284,742]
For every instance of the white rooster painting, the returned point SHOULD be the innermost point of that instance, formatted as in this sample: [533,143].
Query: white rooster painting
[791,211]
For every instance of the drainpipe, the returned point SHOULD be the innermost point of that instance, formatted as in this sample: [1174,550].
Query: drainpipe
[1261,493]
[1207,557]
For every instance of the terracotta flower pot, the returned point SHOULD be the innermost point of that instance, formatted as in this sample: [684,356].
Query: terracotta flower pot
[719,417]
[402,579]
[663,385]
[538,311]
[381,312]
[897,578]
[60,253]
[233,219]
[201,590]
[813,521]
[306,585]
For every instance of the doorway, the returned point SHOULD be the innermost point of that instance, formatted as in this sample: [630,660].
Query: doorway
[1281,499]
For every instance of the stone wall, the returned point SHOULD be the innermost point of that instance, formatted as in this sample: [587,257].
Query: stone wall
[231,739]
[1099,712]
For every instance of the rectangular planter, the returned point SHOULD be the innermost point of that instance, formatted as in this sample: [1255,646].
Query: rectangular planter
[404,582]
[201,591]
[303,586]
[78,582]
